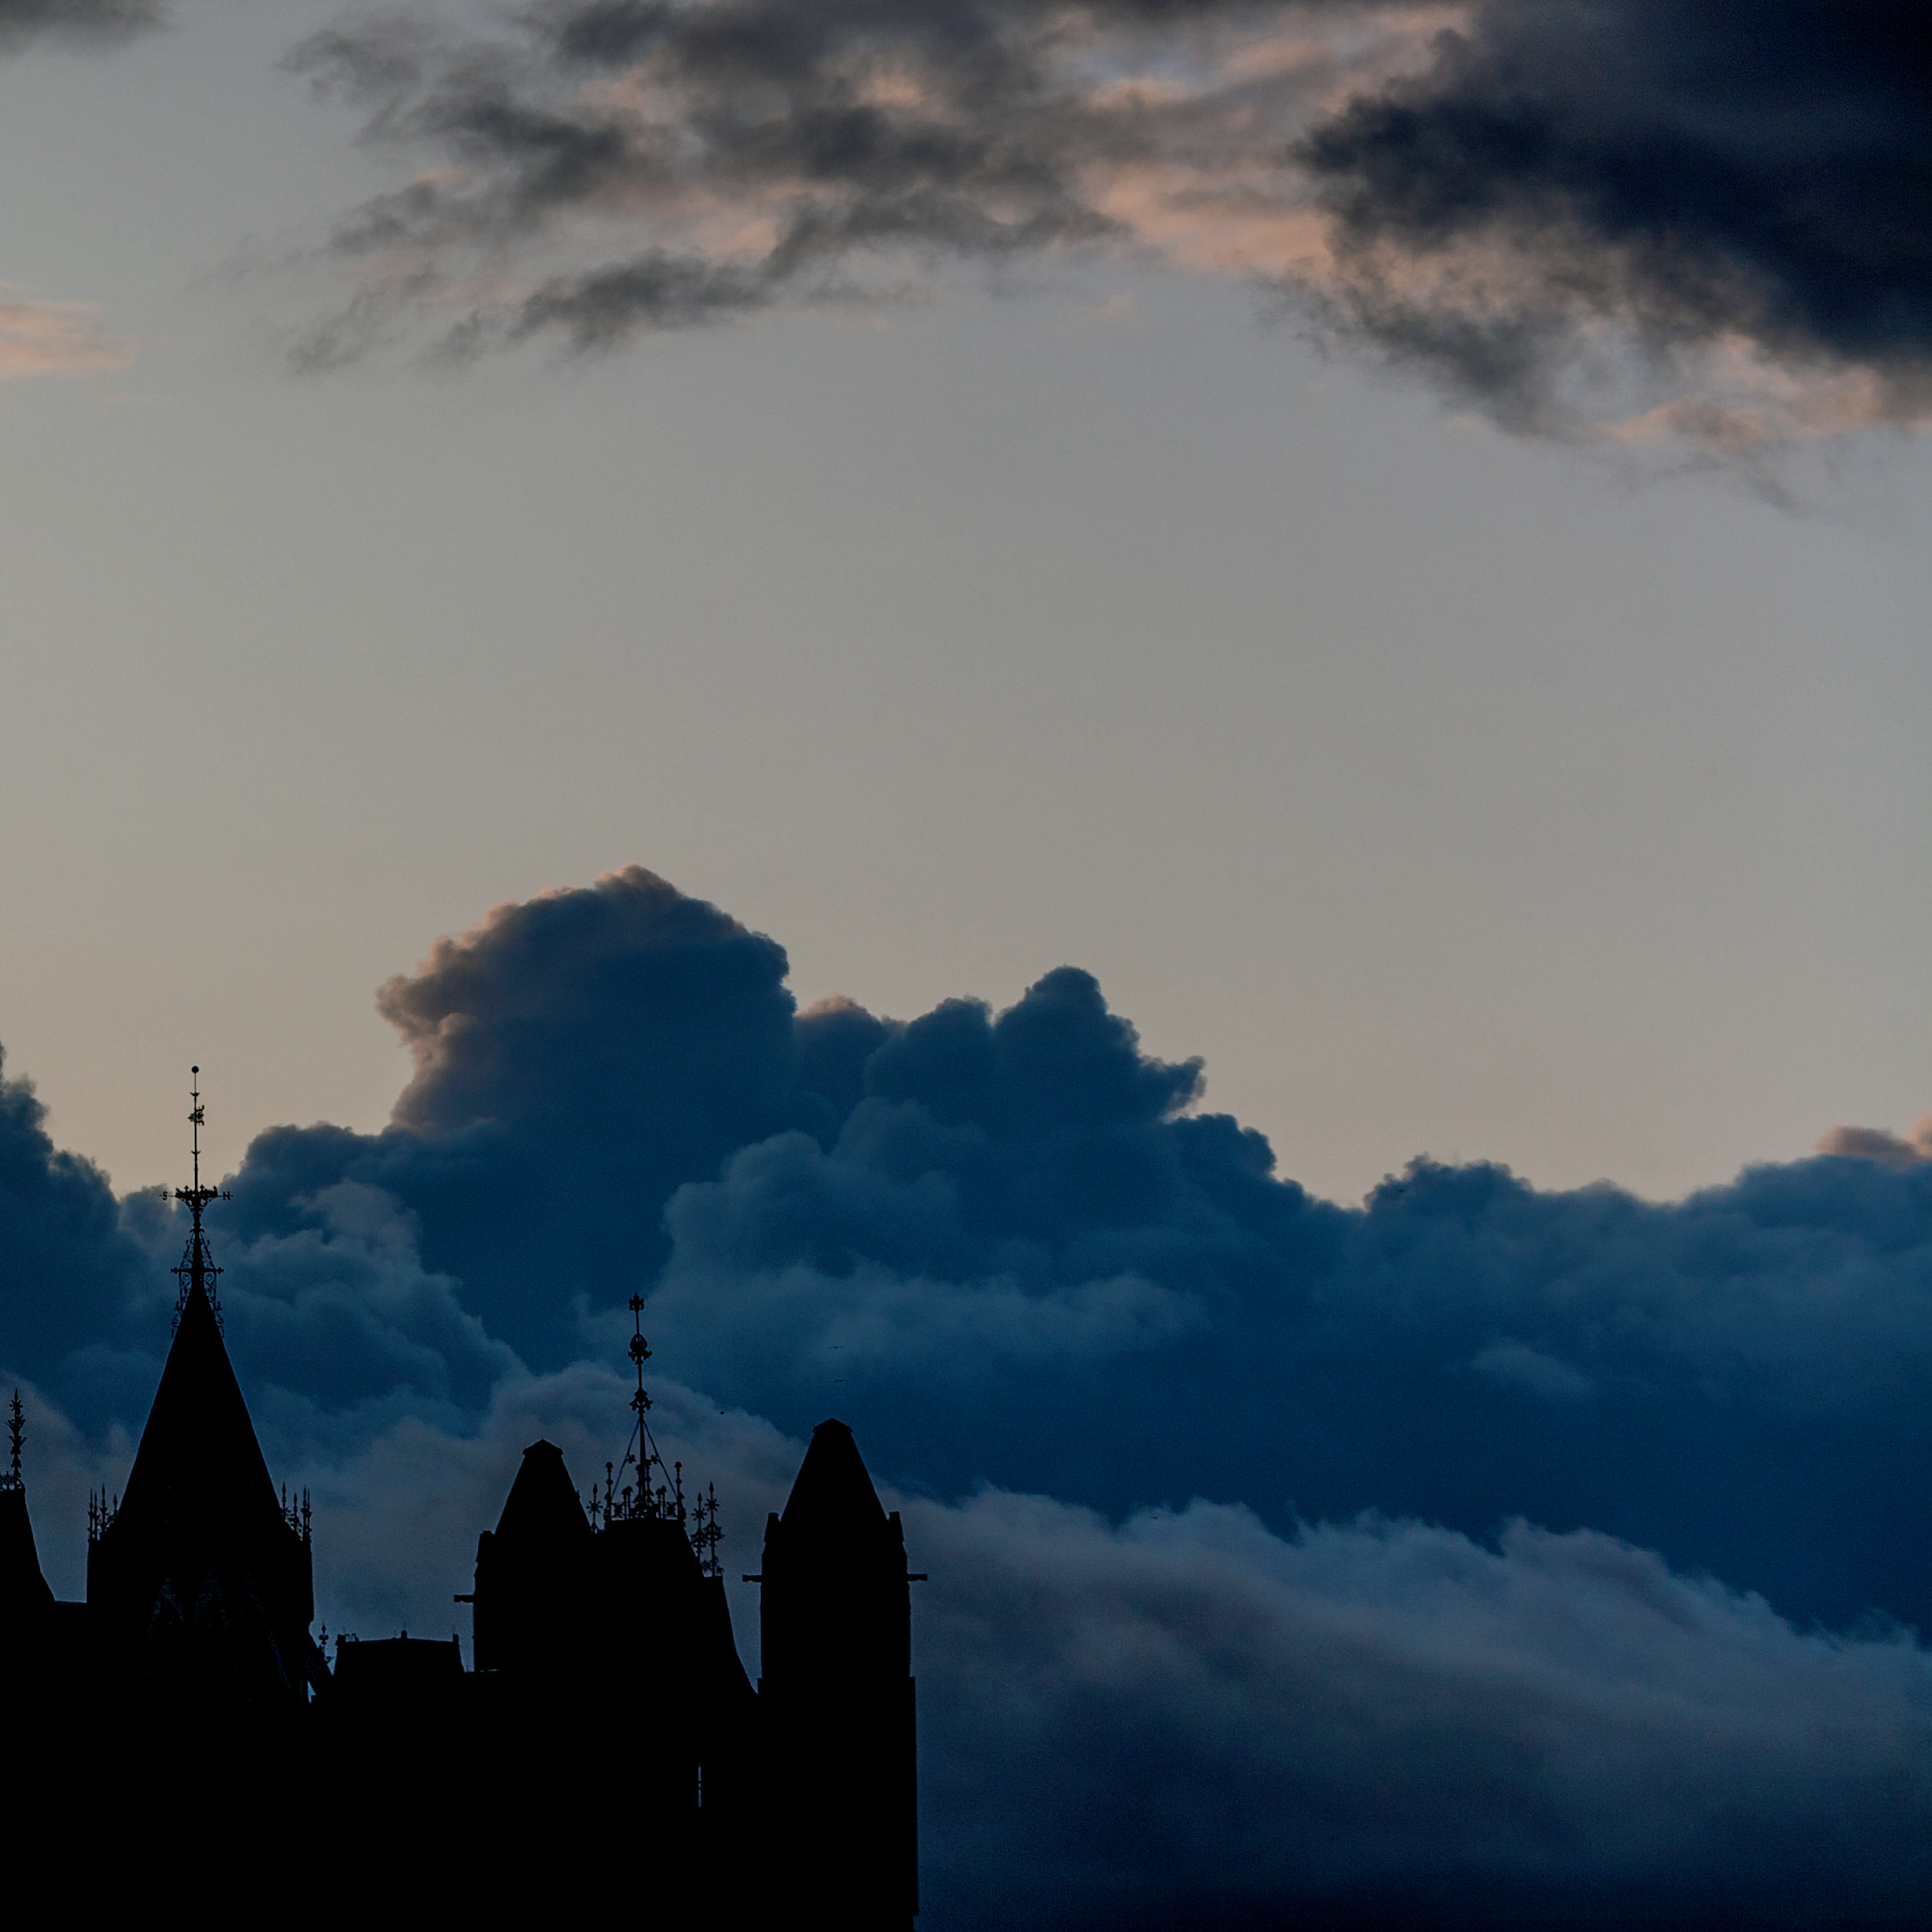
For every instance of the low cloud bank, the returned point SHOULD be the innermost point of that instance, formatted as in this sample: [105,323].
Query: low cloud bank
[1012,1250]
[1187,1716]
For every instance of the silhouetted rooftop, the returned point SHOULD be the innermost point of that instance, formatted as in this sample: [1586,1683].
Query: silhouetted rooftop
[833,1495]
[198,1460]
[543,1505]
[390,1665]
[23,1589]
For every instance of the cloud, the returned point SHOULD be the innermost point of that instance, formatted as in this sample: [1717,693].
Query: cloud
[1012,1248]
[1516,1365]
[85,21]
[1123,1309]
[615,166]
[1644,218]
[1637,222]
[75,1267]
[1186,1715]
[53,338]
[1186,1718]
[1875,1144]
[577,1059]
[1062,1305]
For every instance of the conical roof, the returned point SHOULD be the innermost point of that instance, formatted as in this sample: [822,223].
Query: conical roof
[833,1495]
[198,1581]
[543,1506]
[198,1463]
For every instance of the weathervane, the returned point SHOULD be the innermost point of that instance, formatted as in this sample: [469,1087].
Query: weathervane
[197,1267]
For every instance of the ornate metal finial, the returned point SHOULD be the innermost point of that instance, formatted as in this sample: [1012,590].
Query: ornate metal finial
[17,1427]
[197,1268]
[648,1496]
[640,1354]
[705,1533]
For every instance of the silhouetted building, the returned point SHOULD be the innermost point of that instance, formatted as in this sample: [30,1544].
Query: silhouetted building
[837,1691]
[199,1585]
[607,1693]
[26,1603]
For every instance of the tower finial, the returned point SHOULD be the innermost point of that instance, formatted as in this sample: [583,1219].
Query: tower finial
[17,1428]
[197,1268]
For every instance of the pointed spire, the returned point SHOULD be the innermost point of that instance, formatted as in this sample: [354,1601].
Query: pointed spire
[199,1451]
[197,1269]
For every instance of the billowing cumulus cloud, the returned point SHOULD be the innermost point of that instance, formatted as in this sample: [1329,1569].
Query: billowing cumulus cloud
[1635,221]
[1523,1511]
[578,1058]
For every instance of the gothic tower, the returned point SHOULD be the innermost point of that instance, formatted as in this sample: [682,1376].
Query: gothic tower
[837,1694]
[199,1586]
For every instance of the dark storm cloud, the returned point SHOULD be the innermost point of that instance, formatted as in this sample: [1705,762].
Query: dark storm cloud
[332,1320]
[1007,1246]
[71,1263]
[577,1059]
[1702,175]
[1012,1249]
[1126,1308]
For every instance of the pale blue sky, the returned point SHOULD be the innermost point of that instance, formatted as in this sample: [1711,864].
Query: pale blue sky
[1449,793]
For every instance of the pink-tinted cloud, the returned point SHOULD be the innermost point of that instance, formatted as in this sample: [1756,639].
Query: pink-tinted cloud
[1626,223]
[1905,1150]
[56,338]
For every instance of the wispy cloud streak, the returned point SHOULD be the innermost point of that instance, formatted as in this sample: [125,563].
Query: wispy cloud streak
[1632,222]
[55,338]
[85,22]
[622,165]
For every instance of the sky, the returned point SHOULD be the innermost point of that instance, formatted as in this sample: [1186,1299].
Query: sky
[1451,791]
[1177,750]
